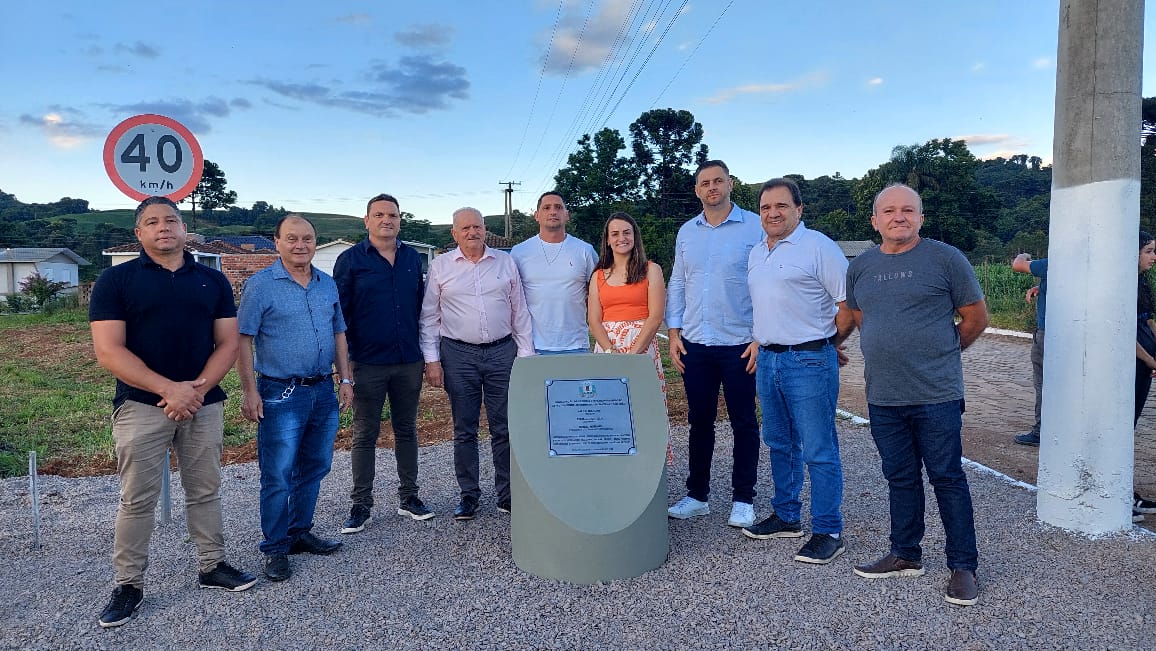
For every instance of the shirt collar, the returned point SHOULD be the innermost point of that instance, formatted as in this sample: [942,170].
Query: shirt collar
[735,215]
[279,270]
[188,259]
[458,255]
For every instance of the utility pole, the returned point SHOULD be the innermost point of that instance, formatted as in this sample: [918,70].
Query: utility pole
[509,201]
[1086,438]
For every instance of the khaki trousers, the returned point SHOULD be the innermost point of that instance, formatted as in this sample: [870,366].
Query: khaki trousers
[142,434]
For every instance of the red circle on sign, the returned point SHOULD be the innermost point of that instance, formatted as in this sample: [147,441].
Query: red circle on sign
[151,118]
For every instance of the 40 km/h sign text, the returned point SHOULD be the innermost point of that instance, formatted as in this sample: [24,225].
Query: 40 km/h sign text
[153,155]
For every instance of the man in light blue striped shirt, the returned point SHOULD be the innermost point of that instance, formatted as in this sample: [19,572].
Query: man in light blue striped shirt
[708,311]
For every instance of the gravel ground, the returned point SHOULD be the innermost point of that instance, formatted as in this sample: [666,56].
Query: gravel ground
[443,584]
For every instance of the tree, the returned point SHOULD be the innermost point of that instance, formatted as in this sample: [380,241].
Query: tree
[943,172]
[211,192]
[666,143]
[41,288]
[595,182]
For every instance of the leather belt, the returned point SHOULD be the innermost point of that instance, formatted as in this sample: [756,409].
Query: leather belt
[817,344]
[488,344]
[303,381]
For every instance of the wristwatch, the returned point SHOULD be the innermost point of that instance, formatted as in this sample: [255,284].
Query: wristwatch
[346,380]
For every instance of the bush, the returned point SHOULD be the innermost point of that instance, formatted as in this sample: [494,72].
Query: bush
[1004,291]
[19,303]
[41,289]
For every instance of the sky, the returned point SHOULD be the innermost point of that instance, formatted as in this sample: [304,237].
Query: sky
[317,106]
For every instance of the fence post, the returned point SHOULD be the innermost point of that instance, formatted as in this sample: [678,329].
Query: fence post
[34,489]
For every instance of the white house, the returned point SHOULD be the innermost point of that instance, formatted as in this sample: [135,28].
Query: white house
[57,265]
[327,254]
[207,254]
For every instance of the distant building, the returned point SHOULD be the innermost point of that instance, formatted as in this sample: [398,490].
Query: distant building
[327,254]
[852,248]
[500,242]
[57,265]
[237,263]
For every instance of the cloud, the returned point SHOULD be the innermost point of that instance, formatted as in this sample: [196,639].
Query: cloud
[727,94]
[416,84]
[875,81]
[65,127]
[1009,145]
[425,36]
[984,139]
[1042,63]
[355,19]
[139,49]
[587,48]
[978,67]
[240,102]
[194,115]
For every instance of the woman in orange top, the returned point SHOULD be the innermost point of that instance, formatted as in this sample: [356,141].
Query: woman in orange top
[627,297]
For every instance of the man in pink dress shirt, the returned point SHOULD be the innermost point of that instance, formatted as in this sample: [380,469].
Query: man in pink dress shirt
[474,322]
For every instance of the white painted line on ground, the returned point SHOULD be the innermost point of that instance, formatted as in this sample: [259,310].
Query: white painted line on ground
[1007,333]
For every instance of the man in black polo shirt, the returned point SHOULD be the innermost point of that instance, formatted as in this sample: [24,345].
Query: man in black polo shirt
[381,287]
[166,327]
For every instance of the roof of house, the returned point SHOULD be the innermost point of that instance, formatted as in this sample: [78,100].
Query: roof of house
[498,241]
[216,247]
[38,255]
[852,248]
[258,242]
[335,243]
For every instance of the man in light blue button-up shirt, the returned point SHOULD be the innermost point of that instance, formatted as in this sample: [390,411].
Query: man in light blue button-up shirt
[708,311]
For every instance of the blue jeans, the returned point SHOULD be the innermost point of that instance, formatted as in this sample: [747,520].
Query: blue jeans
[294,452]
[798,390]
[911,436]
[707,369]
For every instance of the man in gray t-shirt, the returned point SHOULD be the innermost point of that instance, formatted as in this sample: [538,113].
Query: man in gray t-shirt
[904,296]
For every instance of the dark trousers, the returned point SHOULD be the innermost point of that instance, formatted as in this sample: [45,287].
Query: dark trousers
[913,437]
[473,375]
[1038,376]
[401,383]
[1143,386]
[707,369]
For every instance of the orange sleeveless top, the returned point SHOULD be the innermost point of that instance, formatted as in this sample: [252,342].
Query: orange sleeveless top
[625,302]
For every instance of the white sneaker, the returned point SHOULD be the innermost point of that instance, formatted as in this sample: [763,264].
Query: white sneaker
[688,507]
[742,515]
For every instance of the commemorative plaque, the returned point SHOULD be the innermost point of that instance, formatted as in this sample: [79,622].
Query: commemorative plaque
[588,437]
[589,416]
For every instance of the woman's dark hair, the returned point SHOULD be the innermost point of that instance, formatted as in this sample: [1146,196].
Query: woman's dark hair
[1144,301]
[636,265]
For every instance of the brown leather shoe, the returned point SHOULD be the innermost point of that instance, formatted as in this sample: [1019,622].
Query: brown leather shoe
[889,566]
[962,589]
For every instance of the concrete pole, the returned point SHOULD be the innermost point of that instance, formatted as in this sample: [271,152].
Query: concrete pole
[1086,449]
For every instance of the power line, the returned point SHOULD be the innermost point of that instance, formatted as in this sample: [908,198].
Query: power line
[541,74]
[692,53]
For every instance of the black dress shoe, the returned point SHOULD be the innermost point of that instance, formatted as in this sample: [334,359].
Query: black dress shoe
[310,544]
[277,567]
[467,509]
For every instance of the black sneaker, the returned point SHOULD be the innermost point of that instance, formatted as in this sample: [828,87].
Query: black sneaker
[467,509]
[773,527]
[504,506]
[277,567]
[1137,516]
[1029,438]
[125,601]
[1142,505]
[358,518]
[414,508]
[821,549]
[227,577]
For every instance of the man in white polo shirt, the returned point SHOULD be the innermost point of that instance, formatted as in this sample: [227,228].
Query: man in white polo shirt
[797,279]
[555,270]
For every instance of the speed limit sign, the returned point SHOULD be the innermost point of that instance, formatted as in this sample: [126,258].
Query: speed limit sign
[152,155]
